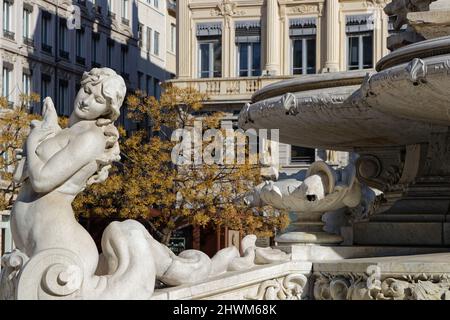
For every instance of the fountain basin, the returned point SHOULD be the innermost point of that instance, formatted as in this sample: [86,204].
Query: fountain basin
[329,111]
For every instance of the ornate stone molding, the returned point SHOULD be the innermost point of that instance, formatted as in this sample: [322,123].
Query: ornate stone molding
[357,286]
[226,9]
[375,3]
[290,287]
[305,8]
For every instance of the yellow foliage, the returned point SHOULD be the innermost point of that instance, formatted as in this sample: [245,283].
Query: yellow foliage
[146,185]
[14,128]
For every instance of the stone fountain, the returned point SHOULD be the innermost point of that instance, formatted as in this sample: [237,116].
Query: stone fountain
[395,119]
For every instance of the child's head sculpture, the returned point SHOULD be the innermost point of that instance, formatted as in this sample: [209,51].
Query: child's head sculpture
[101,95]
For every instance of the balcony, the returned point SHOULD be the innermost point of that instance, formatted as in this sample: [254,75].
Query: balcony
[125,21]
[8,34]
[64,54]
[80,60]
[28,41]
[46,48]
[223,91]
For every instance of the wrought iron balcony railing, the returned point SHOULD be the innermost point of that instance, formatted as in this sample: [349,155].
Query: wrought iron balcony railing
[28,41]
[46,48]
[8,34]
[64,54]
[80,60]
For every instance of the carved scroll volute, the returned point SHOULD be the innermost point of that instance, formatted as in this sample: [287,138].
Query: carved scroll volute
[12,263]
[51,274]
[290,287]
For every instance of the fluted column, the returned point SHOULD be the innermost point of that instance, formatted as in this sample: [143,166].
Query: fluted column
[332,49]
[183,40]
[272,38]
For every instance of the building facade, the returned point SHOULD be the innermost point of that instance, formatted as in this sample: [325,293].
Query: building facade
[45,46]
[231,48]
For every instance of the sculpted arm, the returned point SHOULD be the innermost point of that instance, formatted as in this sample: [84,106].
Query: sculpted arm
[48,175]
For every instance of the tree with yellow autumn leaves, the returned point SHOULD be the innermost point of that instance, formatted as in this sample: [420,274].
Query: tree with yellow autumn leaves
[14,128]
[147,185]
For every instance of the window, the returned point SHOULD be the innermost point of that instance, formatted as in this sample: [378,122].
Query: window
[173,38]
[149,39]
[63,95]
[302,33]
[63,47]
[26,82]
[7,81]
[94,50]
[26,31]
[7,19]
[140,27]
[156,43]
[79,46]
[209,37]
[248,44]
[156,2]
[249,59]
[96,5]
[45,32]
[109,52]
[140,77]
[125,19]
[45,86]
[148,84]
[210,59]
[156,88]
[111,9]
[359,42]
[302,155]
[123,61]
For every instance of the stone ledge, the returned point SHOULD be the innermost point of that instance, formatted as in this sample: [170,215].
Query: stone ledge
[234,285]
[328,253]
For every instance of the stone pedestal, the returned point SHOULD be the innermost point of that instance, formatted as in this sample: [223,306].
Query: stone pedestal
[307,229]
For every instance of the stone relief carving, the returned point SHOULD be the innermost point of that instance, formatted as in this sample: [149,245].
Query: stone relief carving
[355,286]
[376,3]
[290,287]
[305,8]
[226,9]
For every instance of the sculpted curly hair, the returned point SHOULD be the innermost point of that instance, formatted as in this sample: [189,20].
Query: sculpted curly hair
[112,85]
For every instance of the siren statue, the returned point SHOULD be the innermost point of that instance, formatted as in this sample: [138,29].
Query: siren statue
[55,257]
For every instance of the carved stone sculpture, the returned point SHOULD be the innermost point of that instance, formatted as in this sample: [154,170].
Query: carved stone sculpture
[320,189]
[56,258]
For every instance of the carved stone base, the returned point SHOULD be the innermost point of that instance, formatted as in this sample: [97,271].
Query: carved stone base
[308,238]
[307,229]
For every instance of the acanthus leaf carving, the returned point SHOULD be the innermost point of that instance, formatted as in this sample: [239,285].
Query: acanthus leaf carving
[357,286]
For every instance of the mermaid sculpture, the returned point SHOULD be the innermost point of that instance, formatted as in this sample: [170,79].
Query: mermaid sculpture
[55,256]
